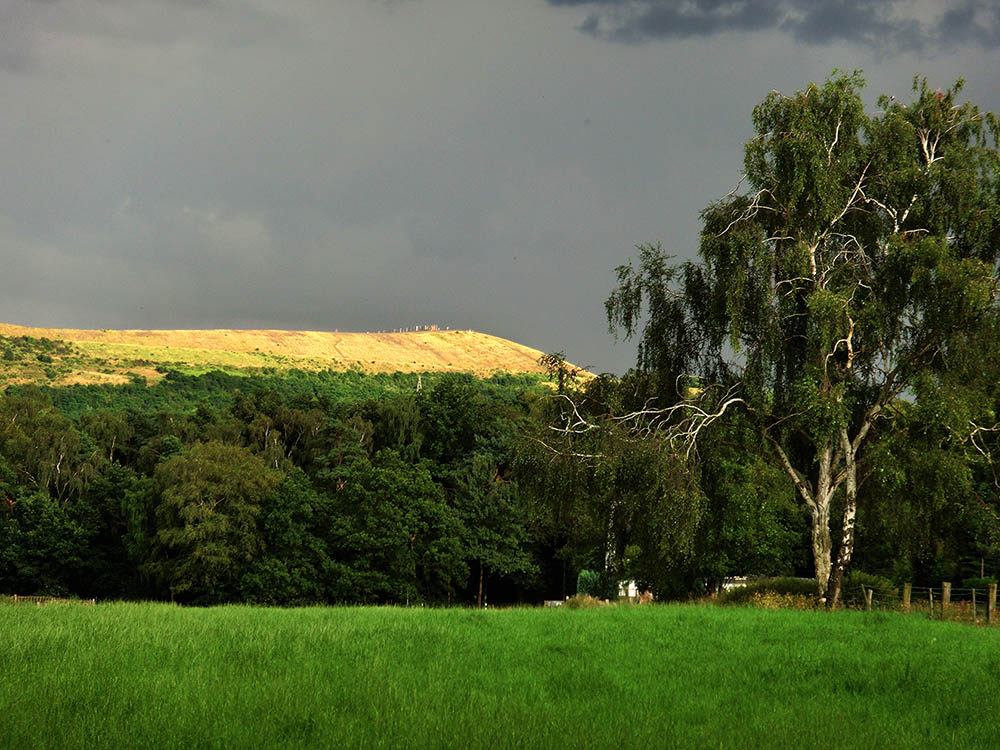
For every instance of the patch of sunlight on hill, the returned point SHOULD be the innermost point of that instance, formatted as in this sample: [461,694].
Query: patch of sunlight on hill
[110,356]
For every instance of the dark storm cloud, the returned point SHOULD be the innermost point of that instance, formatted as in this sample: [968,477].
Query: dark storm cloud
[372,164]
[865,22]
[637,20]
[878,25]
[971,21]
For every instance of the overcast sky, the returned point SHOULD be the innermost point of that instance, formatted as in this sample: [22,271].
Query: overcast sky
[372,164]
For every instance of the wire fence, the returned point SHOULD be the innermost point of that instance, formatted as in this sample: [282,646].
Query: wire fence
[977,605]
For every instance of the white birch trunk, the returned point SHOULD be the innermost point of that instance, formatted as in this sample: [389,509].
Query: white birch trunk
[850,516]
[822,546]
[818,501]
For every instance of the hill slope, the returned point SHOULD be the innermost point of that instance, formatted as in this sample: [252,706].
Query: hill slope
[61,356]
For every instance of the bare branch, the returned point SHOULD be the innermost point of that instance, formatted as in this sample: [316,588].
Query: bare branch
[574,423]
[565,453]
[977,431]
[750,211]
[850,201]
[693,419]
[799,479]
[836,137]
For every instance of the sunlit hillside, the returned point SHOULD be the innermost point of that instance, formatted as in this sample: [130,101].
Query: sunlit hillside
[62,356]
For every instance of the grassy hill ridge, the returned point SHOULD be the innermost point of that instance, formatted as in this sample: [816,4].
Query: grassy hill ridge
[65,356]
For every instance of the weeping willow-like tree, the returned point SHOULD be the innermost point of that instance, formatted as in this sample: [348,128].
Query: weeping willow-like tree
[859,263]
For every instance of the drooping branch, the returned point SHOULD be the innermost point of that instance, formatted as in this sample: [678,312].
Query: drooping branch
[573,423]
[564,453]
[975,440]
[691,419]
[680,425]
[750,211]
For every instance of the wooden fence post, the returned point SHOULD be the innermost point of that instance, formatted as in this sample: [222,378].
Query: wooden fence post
[975,617]
[991,604]
[945,597]
[868,598]
[907,591]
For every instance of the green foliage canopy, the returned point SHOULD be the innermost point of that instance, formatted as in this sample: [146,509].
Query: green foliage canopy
[210,498]
[861,259]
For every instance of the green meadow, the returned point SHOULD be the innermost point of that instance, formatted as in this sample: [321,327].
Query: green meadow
[159,676]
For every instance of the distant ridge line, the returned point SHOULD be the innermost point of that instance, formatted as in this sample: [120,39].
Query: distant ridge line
[432,349]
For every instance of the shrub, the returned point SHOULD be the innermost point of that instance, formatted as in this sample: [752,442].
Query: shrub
[600,584]
[583,601]
[587,582]
[805,587]
[774,600]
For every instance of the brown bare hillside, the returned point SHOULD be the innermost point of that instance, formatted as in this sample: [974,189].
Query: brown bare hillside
[419,351]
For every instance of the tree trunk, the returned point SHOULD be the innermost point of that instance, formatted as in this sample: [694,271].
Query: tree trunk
[821,543]
[818,501]
[850,514]
[820,510]
[479,601]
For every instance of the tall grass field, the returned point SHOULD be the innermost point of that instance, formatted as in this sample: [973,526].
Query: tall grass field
[160,676]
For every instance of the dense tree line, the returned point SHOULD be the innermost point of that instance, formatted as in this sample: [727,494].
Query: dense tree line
[274,499]
[460,492]
[185,391]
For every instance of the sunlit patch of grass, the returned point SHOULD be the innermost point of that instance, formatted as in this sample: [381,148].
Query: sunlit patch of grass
[253,351]
[189,358]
